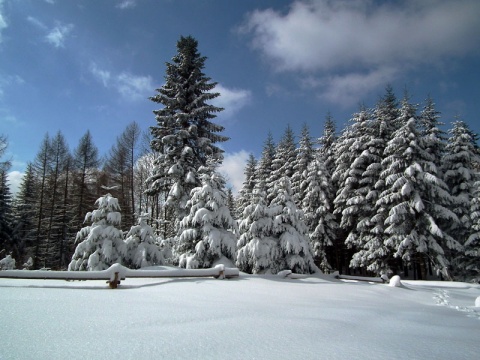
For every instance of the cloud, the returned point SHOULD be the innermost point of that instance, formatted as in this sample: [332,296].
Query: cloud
[58,34]
[9,80]
[232,100]
[326,35]
[134,87]
[233,167]
[37,23]
[14,179]
[3,21]
[350,89]
[126,4]
[344,49]
[130,86]
[101,75]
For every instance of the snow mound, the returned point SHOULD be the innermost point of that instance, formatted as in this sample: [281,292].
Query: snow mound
[395,281]
[284,273]
[477,302]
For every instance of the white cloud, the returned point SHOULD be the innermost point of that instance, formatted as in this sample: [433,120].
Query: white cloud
[233,167]
[326,35]
[351,88]
[126,4]
[34,21]
[14,179]
[58,34]
[134,87]
[130,86]
[232,100]
[101,75]
[3,21]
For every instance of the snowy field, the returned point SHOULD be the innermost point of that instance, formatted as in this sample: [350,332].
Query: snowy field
[249,317]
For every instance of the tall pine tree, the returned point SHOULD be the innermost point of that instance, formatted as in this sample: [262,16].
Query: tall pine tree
[185,135]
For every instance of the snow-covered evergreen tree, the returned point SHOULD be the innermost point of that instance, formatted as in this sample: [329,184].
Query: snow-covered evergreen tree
[207,232]
[327,142]
[274,237]
[387,113]
[290,229]
[264,167]
[283,161]
[318,209]
[305,154]
[434,136]
[372,254]
[101,244]
[141,246]
[468,264]
[460,176]
[349,168]
[184,135]
[246,192]
[258,250]
[412,204]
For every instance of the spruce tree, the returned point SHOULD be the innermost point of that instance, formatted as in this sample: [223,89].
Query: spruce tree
[349,168]
[265,166]
[371,252]
[141,248]
[468,265]
[305,154]
[432,131]
[318,209]
[327,142]
[185,135]
[100,244]
[290,230]
[411,215]
[258,250]
[461,177]
[283,161]
[207,232]
[246,192]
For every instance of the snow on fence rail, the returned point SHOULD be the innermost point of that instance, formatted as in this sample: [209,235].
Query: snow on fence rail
[115,273]
[383,279]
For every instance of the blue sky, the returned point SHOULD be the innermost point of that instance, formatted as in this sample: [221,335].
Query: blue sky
[91,65]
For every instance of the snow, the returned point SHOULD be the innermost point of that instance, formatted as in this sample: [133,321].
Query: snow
[395,281]
[249,317]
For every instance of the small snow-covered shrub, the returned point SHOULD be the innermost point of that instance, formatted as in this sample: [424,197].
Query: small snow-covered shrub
[7,263]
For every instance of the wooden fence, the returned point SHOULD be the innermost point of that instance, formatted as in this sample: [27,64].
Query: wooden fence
[114,274]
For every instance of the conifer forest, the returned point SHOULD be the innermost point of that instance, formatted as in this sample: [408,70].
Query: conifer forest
[395,191]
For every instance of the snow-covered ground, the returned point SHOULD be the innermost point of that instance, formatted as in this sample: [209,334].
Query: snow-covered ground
[249,317]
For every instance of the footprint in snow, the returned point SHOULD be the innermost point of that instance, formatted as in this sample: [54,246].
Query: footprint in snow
[441,298]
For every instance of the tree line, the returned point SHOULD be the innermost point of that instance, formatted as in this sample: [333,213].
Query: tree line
[390,193]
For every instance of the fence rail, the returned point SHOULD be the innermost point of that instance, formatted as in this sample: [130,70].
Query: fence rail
[115,273]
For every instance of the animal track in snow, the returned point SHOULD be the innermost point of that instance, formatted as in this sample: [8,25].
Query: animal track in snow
[441,297]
